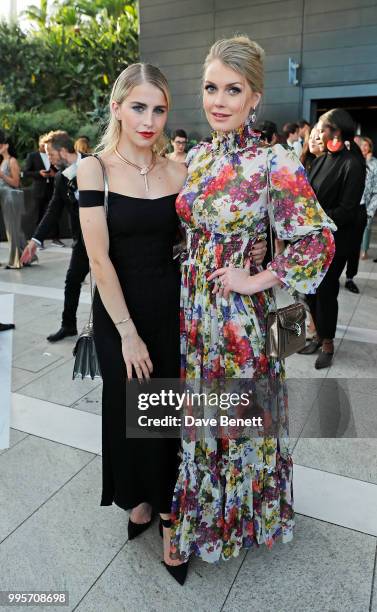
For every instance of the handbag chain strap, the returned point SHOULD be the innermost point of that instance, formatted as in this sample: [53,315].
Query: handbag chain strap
[270,230]
[106,207]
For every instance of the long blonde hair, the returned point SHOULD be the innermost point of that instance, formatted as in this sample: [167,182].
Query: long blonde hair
[133,75]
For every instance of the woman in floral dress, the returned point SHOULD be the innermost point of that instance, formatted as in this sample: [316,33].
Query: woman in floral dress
[234,493]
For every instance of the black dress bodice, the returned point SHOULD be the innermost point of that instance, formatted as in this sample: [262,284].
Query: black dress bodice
[141,238]
[141,231]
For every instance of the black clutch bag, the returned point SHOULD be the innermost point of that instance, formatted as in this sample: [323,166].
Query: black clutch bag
[86,360]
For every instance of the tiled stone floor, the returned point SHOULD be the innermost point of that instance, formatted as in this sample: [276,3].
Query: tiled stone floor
[54,534]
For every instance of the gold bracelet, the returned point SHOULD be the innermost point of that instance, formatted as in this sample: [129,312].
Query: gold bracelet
[123,321]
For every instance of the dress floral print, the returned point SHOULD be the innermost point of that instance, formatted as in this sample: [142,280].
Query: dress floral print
[235,493]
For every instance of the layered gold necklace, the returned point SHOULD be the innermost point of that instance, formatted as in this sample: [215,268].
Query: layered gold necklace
[143,170]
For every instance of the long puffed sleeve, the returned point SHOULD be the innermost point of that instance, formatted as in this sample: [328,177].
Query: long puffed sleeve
[296,216]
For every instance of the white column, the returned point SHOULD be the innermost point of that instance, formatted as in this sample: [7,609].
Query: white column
[13,11]
[6,316]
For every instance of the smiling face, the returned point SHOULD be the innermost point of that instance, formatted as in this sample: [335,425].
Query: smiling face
[143,115]
[227,97]
[315,144]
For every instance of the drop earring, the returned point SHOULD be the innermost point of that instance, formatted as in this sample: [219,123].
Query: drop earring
[334,145]
[252,116]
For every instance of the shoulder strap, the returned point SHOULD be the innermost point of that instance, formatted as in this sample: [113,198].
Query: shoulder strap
[105,184]
[270,226]
[106,207]
[269,205]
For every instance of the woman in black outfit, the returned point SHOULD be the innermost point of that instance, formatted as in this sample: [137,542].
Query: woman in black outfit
[136,304]
[338,179]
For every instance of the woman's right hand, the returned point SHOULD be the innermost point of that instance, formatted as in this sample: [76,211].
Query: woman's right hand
[29,252]
[135,355]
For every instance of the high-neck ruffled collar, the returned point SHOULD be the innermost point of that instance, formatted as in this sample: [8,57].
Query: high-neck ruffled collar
[235,140]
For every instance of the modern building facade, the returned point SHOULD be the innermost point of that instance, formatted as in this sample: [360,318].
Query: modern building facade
[333,41]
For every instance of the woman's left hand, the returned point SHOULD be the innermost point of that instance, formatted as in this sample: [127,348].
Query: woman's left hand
[258,252]
[232,279]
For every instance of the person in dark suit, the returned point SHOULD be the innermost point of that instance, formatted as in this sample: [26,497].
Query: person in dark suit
[61,152]
[353,258]
[39,169]
[338,179]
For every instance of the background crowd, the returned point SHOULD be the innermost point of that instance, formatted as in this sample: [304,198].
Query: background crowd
[53,193]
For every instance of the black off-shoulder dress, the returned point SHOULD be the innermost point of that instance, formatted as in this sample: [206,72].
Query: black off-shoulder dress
[142,233]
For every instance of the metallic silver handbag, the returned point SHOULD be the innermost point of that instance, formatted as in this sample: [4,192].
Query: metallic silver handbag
[86,359]
[286,330]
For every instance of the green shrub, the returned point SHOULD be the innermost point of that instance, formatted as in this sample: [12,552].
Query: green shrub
[58,73]
[92,131]
[24,128]
[70,60]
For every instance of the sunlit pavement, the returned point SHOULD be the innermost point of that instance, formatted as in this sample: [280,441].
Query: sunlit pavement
[55,536]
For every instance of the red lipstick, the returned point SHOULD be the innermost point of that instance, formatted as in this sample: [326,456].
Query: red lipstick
[146,134]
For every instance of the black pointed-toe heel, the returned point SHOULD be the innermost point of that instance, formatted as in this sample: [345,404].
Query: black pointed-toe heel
[136,529]
[178,572]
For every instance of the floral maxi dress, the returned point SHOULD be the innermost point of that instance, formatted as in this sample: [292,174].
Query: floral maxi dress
[234,493]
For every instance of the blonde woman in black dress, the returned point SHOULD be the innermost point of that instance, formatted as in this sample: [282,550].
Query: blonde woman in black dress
[137,280]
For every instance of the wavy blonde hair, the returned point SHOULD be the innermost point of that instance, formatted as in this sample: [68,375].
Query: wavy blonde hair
[243,55]
[133,75]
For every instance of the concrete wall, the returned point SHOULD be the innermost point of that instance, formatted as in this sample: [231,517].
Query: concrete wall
[335,41]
